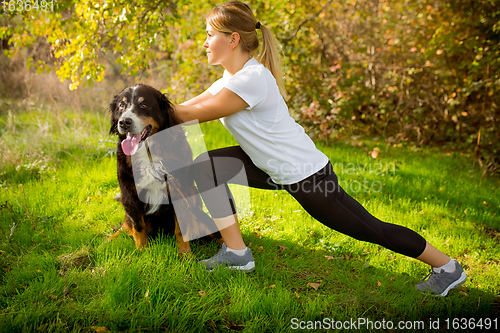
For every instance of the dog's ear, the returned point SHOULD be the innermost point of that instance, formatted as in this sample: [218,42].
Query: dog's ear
[167,110]
[111,109]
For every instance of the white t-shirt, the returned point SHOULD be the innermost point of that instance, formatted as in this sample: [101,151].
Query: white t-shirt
[265,130]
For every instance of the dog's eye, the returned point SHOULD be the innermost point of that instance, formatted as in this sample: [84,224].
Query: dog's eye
[143,105]
[122,105]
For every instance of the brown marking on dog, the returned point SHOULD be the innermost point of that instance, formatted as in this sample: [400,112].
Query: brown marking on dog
[140,237]
[149,121]
[184,247]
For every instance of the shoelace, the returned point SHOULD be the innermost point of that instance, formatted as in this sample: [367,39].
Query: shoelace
[432,277]
[218,254]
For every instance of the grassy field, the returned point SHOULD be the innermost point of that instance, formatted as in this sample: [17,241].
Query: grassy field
[59,273]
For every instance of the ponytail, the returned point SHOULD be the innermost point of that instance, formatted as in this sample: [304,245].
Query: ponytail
[270,57]
[236,16]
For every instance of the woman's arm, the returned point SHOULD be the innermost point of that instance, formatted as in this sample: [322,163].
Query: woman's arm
[198,99]
[221,105]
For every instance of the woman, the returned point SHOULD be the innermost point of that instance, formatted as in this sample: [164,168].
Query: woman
[276,153]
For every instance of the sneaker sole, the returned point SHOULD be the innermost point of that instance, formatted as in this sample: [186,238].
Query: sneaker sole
[246,268]
[454,285]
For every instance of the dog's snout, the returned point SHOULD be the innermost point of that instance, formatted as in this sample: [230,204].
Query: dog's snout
[125,123]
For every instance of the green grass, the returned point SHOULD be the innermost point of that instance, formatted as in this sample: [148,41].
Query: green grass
[59,272]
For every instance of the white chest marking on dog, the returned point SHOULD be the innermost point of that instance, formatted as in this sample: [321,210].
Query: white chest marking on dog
[156,190]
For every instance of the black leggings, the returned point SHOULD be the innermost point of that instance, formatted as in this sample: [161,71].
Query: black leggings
[320,195]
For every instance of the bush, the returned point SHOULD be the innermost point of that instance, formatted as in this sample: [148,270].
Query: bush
[424,71]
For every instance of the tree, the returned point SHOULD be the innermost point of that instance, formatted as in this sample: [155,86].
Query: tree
[420,70]
[79,33]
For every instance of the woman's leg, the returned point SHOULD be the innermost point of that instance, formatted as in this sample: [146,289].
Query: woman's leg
[433,256]
[213,171]
[325,200]
[230,232]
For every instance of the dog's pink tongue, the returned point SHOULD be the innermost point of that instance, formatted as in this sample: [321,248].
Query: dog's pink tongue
[131,143]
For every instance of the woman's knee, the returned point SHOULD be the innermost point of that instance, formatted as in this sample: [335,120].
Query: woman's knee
[202,170]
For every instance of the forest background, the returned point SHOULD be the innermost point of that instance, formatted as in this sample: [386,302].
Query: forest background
[419,71]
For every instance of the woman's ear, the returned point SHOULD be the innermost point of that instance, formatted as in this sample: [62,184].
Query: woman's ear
[235,39]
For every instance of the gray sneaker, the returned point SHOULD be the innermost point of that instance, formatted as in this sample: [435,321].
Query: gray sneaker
[230,260]
[438,284]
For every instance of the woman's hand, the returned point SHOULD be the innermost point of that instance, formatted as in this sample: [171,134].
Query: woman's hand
[223,104]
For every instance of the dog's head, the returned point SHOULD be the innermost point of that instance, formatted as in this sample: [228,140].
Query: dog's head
[138,112]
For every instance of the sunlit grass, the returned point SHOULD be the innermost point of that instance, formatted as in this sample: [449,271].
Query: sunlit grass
[60,273]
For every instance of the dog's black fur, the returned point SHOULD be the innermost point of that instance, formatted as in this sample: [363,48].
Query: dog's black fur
[143,109]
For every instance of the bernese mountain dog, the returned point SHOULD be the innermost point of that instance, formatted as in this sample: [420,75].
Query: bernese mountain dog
[137,114]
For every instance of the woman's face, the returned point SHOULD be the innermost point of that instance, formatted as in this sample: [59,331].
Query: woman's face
[217,45]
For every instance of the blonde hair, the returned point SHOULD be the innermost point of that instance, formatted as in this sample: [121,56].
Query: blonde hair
[235,16]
